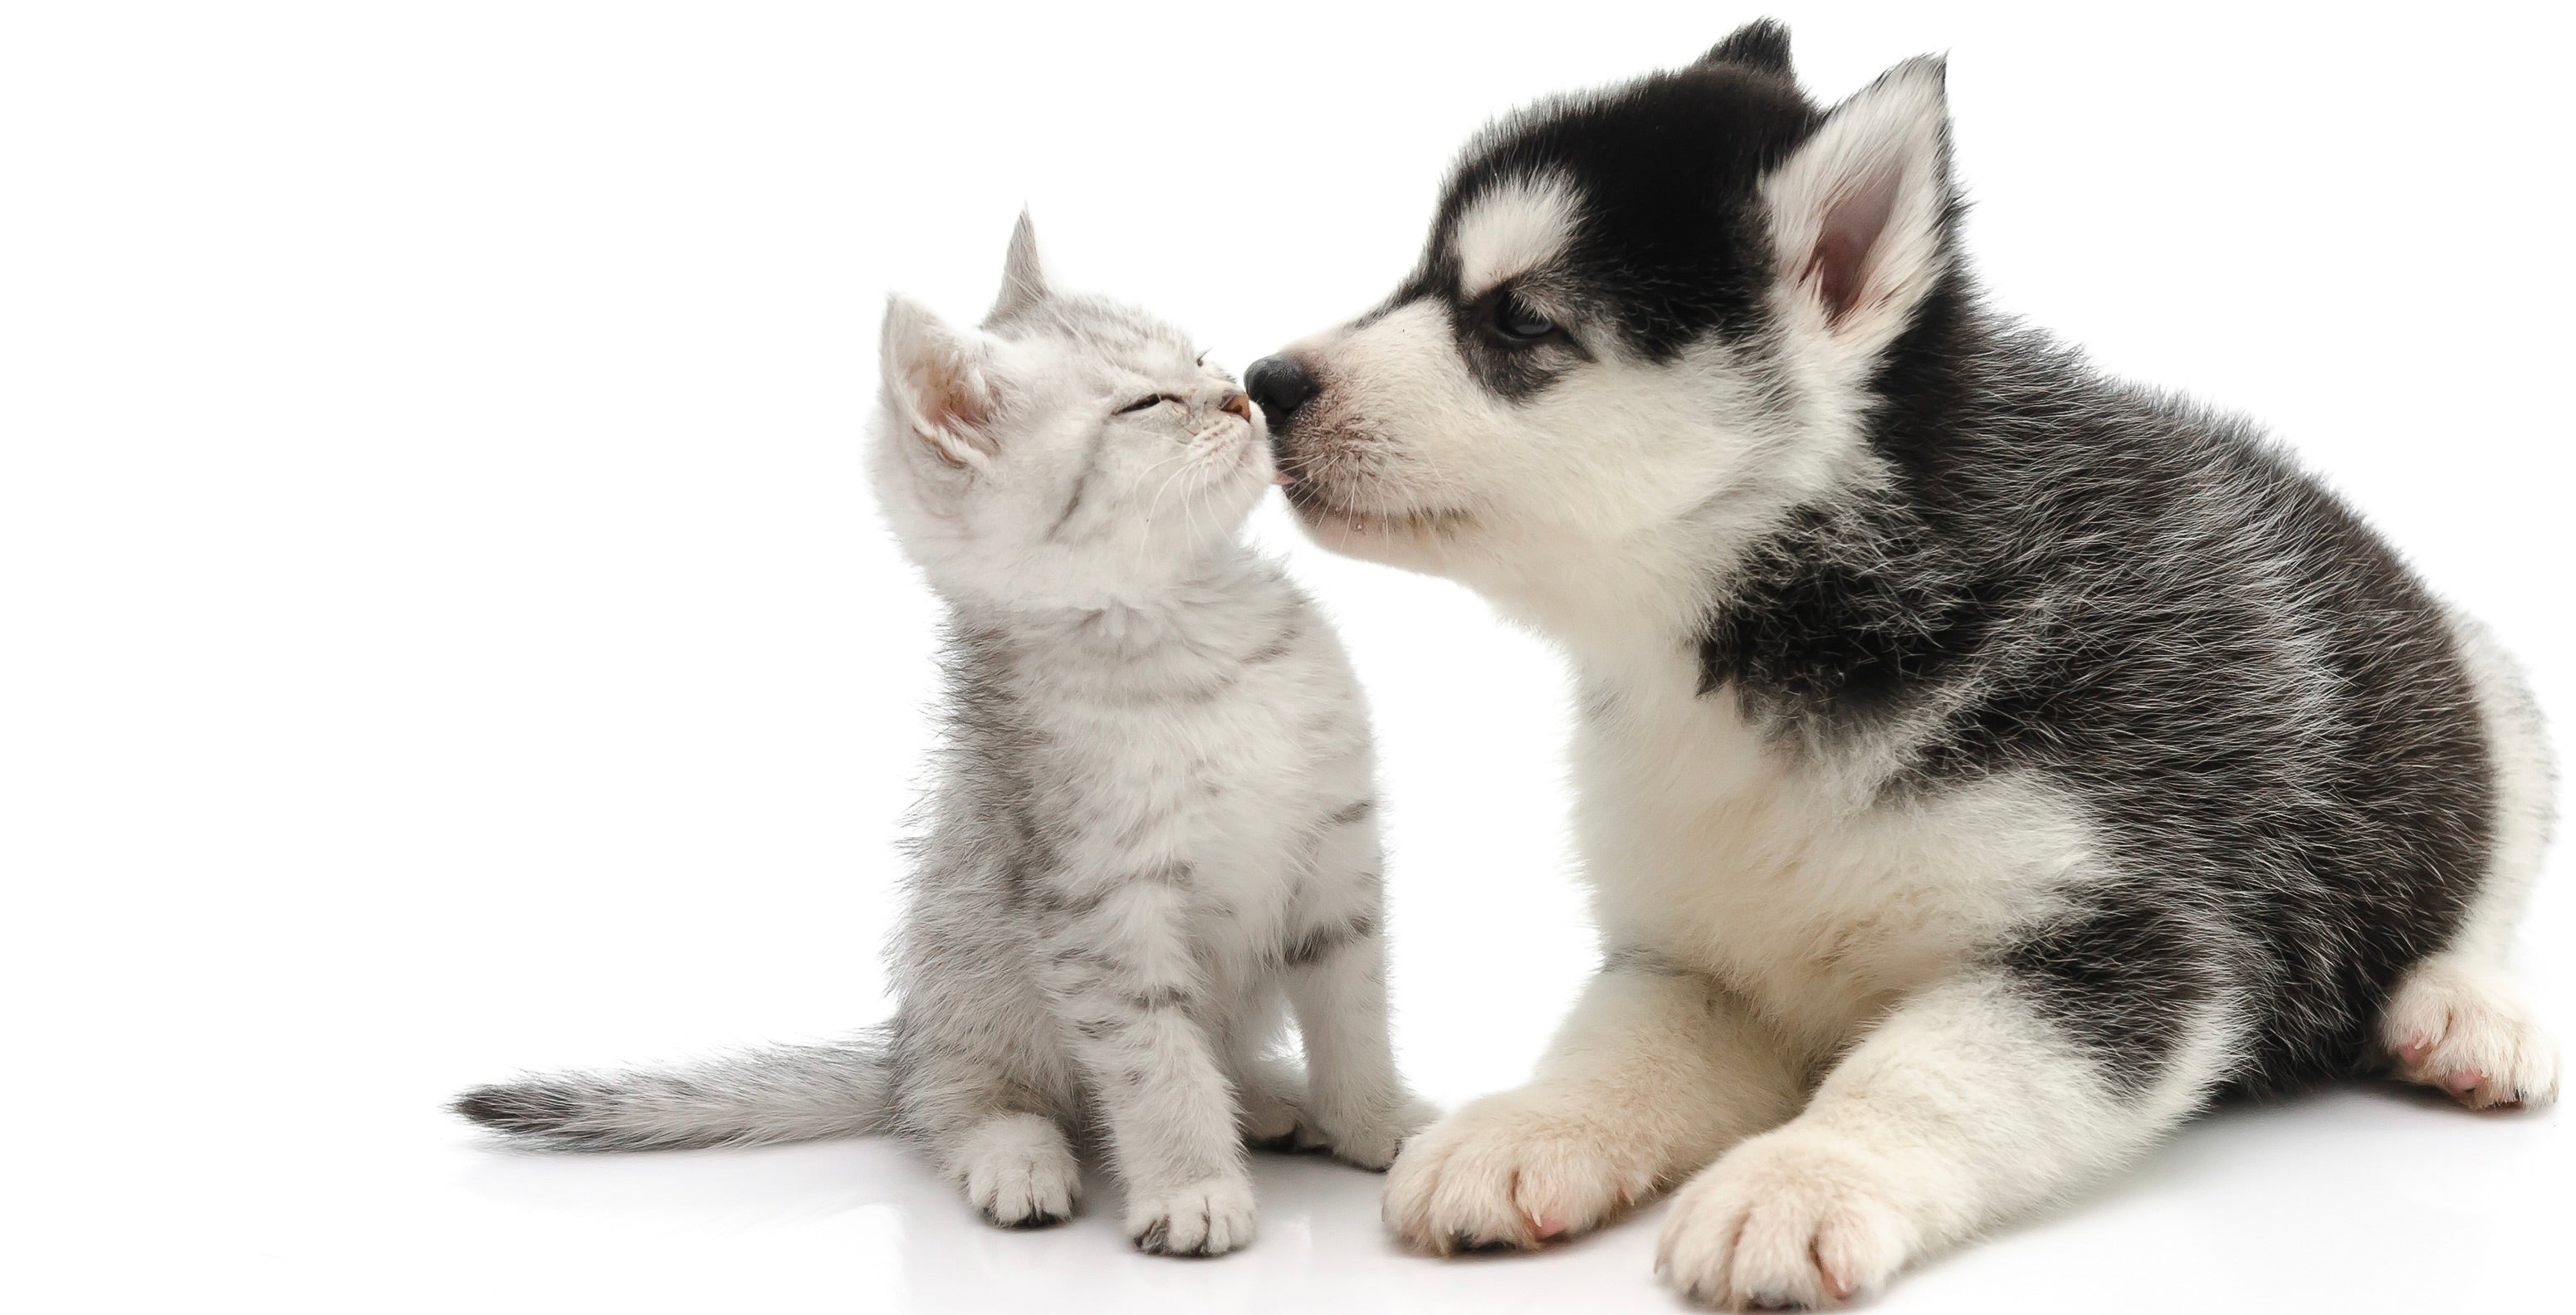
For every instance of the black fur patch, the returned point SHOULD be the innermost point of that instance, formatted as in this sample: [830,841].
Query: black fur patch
[2126,981]
[1672,248]
[2258,706]
[1761,44]
[526,1109]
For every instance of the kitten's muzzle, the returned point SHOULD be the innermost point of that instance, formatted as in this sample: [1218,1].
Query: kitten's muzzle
[1238,406]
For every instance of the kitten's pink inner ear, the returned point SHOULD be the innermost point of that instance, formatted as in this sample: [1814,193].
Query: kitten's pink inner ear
[1850,230]
[953,403]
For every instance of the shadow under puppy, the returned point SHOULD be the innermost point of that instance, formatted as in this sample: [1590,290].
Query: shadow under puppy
[1154,820]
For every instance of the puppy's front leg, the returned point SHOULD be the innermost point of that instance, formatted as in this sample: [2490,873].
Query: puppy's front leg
[1975,1100]
[1654,1073]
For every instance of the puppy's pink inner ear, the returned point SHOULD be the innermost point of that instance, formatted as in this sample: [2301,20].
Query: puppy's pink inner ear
[1849,232]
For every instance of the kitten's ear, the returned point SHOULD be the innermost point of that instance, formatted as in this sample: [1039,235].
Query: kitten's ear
[1861,213]
[1762,45]
[940,384]
[1023,279]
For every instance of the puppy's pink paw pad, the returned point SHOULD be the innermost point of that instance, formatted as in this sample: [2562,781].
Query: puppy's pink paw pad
[2463,1030]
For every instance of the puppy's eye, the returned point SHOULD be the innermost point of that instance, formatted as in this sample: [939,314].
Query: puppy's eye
[1514,320]
[1144,402]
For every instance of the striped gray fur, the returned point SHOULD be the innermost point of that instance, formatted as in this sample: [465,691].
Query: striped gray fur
[1153,832]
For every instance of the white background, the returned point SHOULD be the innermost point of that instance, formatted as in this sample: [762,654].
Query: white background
[445,629]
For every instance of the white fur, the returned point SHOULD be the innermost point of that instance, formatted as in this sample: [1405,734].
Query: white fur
[1957,1110]
[1667,466]
[1650,1077]
[1702,845]
[1018,1167]
[1888,143]
[1513,229]
[1797,915]
[2459,1024]
[2458,1021]
[2526,789]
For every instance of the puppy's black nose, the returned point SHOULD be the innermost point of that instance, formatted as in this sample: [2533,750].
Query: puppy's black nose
[1280,386]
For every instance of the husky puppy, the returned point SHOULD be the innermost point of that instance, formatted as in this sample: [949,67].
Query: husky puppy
[1984,764]
[1154,832]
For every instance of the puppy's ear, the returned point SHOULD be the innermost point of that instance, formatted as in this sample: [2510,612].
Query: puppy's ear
[1023,279]
[1861,214]
[939,384]
[1762,45]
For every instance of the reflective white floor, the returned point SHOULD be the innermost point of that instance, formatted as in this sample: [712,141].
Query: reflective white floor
[2360,1200]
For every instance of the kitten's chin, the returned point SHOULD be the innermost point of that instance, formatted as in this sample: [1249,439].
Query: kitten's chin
[1192,530]
[1241,490]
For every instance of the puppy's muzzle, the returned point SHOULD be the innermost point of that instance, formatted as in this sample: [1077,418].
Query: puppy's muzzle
[1279,385]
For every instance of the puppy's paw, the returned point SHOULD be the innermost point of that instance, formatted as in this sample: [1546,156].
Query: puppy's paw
[2465,1031]
[1793,1219]
[1020,1172]
[1206,1218]
[1511,1170]
[1371,1138]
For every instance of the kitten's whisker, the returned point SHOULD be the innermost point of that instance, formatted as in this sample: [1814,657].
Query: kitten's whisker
[1190,503]
[1154,505]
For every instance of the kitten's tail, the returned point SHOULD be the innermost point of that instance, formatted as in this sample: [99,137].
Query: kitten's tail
[784,1093]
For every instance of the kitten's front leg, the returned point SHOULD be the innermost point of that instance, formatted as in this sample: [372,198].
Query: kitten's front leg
[1334,969]
[1121,975]
[1269,1092]
[1974,1101]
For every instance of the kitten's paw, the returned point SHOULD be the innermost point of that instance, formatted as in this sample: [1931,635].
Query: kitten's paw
[1793,1219]
[1371,1140]
[1020,1171]
[2463,1030]
[1206,1218]
[1269,1117]
[1511,1170]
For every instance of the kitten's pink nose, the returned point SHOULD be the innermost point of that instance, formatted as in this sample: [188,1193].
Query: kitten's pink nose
[1236,404]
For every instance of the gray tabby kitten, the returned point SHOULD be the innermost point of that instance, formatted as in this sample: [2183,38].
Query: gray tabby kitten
[1154,817]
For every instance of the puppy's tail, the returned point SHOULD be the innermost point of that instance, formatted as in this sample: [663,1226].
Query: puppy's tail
[784,1093]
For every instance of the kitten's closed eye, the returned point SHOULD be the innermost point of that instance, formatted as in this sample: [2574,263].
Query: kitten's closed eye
[1143,402]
